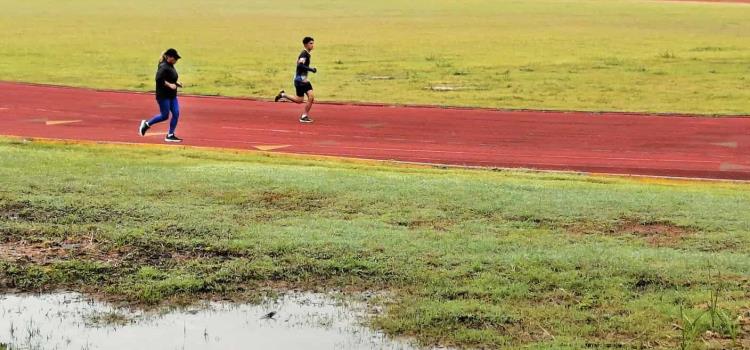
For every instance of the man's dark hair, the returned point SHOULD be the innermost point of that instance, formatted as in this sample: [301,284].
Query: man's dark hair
[307,40]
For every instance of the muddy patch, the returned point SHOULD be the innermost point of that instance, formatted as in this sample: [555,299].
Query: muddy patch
[99,250]
[657,233]
[433,224]
[27,211]
[180,230]
[43,252]
[293,200]
[280,200]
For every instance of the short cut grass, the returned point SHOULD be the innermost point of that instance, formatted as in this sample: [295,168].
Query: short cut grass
[615,55]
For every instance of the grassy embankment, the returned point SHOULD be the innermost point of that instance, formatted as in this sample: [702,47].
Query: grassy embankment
[474,258]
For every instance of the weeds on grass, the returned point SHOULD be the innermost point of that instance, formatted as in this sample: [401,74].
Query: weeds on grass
[710,49]
[667,55]
[721,323]
[690,329]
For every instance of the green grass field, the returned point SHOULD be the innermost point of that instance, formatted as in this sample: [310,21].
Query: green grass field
[617,55]
[471,258]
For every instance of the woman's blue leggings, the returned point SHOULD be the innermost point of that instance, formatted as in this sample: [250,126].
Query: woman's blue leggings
[166,106]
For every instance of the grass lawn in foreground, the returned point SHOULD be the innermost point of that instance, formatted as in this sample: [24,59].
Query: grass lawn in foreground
[470,258]
[617,55]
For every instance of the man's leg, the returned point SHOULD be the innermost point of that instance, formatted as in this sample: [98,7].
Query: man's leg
[310,99]
[305,118]
[283,95]
[295,99]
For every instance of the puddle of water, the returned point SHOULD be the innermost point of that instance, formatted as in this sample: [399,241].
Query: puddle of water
[72,321]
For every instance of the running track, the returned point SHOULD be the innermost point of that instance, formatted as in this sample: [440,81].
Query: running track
[678,146]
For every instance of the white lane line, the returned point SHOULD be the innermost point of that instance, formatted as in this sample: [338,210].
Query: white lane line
[269,130]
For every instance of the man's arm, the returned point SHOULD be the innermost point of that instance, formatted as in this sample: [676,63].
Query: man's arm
[301,65]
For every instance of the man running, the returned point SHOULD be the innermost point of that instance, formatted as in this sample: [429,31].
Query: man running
[301,83]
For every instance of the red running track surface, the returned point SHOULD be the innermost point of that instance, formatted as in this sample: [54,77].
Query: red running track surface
[614,143]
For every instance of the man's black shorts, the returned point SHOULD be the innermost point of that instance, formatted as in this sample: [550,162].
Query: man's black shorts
[302,87]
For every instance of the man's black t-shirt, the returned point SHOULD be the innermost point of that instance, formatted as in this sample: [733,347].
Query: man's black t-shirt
[303,66]
[166,72]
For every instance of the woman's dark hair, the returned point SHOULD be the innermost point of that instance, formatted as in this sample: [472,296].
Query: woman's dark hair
[307,40]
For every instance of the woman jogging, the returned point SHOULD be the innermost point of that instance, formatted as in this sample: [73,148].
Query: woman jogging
[166,96]
[301,84]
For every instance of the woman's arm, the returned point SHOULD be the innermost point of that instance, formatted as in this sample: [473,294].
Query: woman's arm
[161,75]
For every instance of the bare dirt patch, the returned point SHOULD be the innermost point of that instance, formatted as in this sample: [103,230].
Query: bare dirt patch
[49,251]
[27,211]
[435,224]
[656,233]
[45,252]
[293,200]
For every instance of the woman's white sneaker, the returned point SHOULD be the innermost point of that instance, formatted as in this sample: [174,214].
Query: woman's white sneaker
[172,138]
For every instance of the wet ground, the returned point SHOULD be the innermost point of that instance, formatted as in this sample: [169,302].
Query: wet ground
[301,321]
